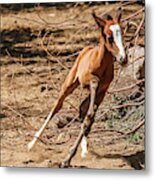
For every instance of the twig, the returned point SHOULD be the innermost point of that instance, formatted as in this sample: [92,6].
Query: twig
[118,107]
[129,113]
[100,129]
[127,104]
[138,28]
[138,58]
[19,114]
[140,124]
[58,22]
[123,134]
[128,2]
[142,97]
[73,120]
[133,15]
[27,19]
[126,88]
[70,55]
[119,5]
[140,25]
[47,51]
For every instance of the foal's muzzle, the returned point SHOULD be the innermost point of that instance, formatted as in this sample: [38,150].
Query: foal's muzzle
[124,60]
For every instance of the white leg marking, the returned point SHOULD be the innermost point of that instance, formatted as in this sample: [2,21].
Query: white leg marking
[84,147]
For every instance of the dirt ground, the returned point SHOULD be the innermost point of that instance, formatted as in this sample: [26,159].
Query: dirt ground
[38,47]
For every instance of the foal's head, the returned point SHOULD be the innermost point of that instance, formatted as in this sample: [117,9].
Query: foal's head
[111,31]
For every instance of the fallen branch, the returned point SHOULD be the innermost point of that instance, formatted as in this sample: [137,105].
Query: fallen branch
[100,129]
[138,58]
[139,125]
[126,105]
[133,15]
[138,28]
[118,107]
[126,88]
[122,134]
[140,25]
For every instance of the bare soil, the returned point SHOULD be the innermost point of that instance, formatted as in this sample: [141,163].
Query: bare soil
[37,51]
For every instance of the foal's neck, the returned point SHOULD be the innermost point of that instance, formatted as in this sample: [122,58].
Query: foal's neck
[104,53]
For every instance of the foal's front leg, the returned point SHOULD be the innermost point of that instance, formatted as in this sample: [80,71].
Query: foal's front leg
[88,121]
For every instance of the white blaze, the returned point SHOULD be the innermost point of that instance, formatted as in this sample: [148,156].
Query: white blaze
[116,30]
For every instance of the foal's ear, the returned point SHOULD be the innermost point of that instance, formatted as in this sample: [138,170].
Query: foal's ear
[100,22]
[119,15]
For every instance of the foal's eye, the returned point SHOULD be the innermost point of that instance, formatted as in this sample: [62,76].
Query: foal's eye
[110,39]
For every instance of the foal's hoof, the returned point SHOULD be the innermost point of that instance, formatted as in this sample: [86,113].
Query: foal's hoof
[65,164]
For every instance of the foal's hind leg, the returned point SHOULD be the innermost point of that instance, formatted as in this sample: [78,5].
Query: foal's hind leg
[86,123]
[67,89]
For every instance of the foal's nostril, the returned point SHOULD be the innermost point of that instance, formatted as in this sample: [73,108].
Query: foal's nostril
[124,60]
